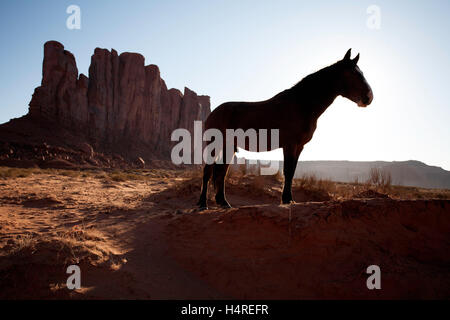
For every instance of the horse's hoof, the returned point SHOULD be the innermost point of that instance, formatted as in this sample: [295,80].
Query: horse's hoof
[202,205]
[288,202]
[223,204]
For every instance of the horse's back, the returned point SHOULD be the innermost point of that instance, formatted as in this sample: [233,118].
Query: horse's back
[221,117]
[243,115]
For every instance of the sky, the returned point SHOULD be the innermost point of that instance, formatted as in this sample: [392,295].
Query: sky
[249,50]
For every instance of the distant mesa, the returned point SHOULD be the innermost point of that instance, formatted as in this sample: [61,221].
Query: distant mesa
[124,107]
[404,173]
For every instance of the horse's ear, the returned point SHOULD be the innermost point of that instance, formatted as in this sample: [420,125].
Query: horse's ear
[355,60]
[347,55]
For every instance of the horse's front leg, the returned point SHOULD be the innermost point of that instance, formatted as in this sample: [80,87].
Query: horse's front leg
[291,154]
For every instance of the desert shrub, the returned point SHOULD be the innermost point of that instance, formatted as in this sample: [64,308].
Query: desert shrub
[118,177]
[121,176]
[311,182]
[381,180]
[278,175]
[100,175]
[69,173]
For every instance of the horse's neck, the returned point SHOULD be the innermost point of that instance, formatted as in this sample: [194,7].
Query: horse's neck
[318,93]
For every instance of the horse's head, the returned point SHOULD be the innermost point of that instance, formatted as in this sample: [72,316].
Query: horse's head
[353,84]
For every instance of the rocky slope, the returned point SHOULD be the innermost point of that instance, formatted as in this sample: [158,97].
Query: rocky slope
[124,107]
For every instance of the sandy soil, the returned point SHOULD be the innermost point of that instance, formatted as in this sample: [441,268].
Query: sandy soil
[143,239]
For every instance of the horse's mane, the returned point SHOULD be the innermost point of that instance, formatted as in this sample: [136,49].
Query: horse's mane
[311,78]
[309,82]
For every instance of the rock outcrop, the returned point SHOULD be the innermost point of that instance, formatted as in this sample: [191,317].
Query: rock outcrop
[123,107]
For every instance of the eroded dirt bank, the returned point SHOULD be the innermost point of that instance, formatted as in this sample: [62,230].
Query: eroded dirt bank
[320,250]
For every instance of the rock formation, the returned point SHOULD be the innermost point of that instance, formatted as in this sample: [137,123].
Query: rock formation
[124,106]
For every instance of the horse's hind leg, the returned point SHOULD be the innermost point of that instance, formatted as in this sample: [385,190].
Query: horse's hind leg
[207,171]
[219,174]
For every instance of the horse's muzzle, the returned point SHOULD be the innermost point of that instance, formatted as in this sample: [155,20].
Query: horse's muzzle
[366,100]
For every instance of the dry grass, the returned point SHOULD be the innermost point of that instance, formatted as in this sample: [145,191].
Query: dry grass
[311,182]
[6,172]
[73,245]
[21,242]
[411,193]
[110,175]
[379,182]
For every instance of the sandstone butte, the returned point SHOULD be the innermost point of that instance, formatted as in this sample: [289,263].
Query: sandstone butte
[124,106]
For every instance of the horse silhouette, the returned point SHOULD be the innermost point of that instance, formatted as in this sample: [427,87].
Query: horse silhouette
[294,112]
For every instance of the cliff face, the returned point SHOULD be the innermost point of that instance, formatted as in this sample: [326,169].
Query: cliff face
[124,106]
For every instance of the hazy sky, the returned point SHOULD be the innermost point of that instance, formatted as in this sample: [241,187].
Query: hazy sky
[250,50]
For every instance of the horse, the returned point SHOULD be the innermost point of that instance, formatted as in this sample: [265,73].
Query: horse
[294,112]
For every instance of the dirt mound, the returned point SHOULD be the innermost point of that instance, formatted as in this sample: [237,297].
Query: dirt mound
[319,250]
[45,202]
[33,267]
[306,195]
